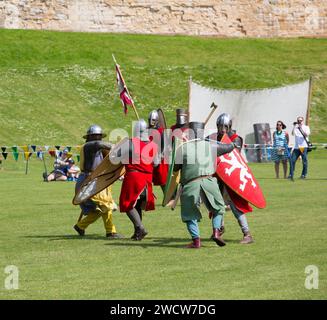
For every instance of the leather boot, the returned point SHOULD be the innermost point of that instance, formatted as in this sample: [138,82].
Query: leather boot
[247,238]
[195,244]
[140,233]
[222,230]
[133,237]
[216,237]
[80,231]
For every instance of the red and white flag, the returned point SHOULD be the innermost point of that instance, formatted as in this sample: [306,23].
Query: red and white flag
[123,92]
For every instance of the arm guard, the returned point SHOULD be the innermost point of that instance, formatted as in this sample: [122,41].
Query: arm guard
[222,148]
[238,142]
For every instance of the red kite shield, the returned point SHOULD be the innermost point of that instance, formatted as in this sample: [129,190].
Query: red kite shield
[235,173]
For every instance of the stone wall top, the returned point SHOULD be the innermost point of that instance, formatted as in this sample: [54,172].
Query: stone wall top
[223,18]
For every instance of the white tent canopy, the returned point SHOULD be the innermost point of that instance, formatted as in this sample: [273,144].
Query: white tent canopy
[248,107]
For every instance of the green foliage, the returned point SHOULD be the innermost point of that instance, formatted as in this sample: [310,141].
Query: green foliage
[54,85]
[36,221]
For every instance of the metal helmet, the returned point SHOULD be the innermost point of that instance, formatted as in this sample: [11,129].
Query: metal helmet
[140,130]
[181,116]
[94,129]
[198,128]
[224,120]
[153,119]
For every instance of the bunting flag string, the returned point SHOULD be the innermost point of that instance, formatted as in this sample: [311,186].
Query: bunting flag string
[40,152]
[74,151]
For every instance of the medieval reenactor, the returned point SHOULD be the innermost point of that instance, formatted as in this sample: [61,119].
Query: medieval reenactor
[181,124]
[139,157]
[195,159]
[238,205]
[101,204]
[179,130]
[157,132]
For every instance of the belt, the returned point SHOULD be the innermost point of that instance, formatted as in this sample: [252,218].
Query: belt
[139,171]
[197,178]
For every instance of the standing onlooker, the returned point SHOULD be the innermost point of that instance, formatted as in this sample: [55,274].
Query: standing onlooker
[280,148]
[301,133]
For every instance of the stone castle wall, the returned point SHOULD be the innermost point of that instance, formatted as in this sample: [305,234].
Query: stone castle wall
[223,18]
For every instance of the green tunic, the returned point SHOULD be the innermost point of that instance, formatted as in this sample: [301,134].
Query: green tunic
[198,160]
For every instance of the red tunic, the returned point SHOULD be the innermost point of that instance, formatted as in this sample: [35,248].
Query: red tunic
[179,132]
[160,172]
[138,176]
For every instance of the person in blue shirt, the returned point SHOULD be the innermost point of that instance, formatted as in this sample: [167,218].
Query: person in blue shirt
[280,151]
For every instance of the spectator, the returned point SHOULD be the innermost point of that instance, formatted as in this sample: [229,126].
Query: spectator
[60,168]
[280,151]
[301,133]
[73,171]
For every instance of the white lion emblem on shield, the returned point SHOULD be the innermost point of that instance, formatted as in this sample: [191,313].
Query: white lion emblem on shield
[238,163]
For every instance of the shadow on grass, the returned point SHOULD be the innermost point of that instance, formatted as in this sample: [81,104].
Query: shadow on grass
[124,242]
[68,237]
[178,243]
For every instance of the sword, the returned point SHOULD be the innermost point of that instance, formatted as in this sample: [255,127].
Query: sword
[178,194]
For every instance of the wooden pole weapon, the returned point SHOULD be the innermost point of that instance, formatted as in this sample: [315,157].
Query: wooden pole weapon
[214,107]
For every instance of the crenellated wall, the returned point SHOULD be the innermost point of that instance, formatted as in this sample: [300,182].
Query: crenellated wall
[224,18]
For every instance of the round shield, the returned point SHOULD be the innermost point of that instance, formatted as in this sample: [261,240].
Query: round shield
[162,119]
[105,174]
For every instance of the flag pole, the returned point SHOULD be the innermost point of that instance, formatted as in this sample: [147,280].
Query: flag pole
[133,106]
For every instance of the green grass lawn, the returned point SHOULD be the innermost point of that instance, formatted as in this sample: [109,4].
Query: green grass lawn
[54,263]
[53,85]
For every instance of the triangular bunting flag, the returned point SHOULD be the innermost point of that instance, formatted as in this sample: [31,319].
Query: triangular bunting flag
[27,155]
[5,154]
[57,147]
[14,149]
[78,157]
[25,148]
[3,149]
[15,155]
[69,148]
[33,148]
[52,153]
